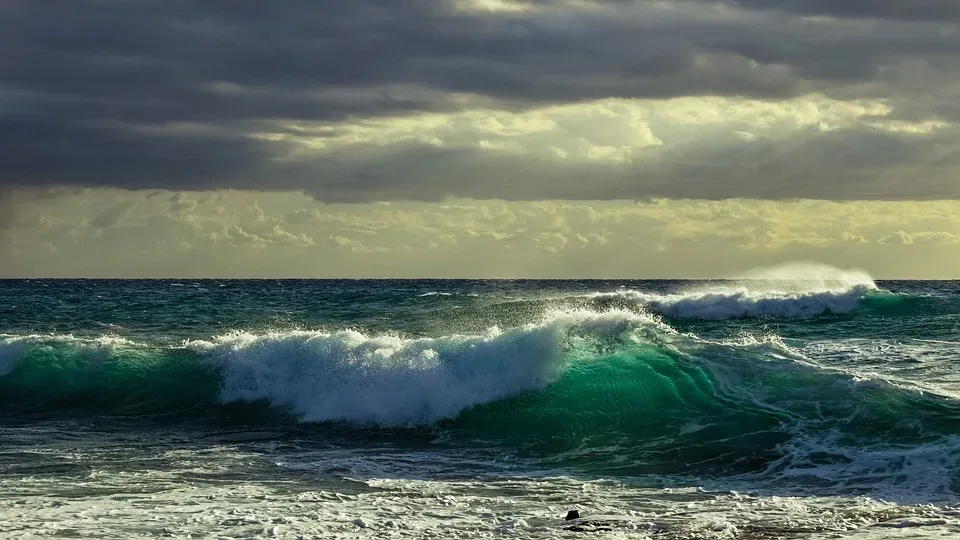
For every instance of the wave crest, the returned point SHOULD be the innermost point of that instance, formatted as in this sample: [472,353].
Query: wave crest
[392,381]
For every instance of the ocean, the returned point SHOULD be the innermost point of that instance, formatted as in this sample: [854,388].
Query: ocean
[820,406]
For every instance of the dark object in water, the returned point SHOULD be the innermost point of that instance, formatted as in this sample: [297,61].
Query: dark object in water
[585,525]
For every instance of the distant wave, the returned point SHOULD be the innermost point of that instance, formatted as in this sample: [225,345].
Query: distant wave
[741,301]
[791,292]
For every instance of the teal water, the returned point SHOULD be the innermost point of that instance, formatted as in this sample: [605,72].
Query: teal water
[826,388]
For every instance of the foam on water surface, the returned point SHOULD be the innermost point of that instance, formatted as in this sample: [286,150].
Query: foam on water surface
[293,494]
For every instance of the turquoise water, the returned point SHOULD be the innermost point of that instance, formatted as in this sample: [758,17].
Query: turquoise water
[821,390]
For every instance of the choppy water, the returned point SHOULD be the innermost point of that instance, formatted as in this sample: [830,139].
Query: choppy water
[818,405]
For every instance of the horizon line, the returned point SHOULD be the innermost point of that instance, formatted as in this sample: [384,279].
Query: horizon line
[290,278]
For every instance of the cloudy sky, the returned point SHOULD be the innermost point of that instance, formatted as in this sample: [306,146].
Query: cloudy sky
[478,138]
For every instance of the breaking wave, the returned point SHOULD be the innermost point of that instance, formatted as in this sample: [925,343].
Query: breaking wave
[394,381]
[614,391]
[742,301]
[342,376]
[790,291]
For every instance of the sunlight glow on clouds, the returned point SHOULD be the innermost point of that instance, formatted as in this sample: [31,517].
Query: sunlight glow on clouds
[262,234]
[611,129]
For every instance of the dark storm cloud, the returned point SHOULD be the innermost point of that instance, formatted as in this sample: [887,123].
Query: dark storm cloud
[922,10]
[900,10]
[184,60]
[160,93]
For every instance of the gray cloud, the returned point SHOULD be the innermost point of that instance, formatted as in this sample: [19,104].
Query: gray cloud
[922,10]
[147,94]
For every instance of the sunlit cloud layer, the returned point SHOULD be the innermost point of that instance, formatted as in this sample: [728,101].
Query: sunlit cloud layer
[243,234]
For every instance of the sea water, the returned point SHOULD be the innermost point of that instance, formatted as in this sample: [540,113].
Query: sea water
[784,405]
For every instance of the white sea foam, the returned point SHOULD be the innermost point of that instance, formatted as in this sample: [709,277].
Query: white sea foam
[440,293]
[394,381]
[789,291]
[406,503]
[917,364]
[915,474]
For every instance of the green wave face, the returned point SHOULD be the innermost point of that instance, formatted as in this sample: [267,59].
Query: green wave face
[641,406]
[705,408]
[883,303]
[57,377]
